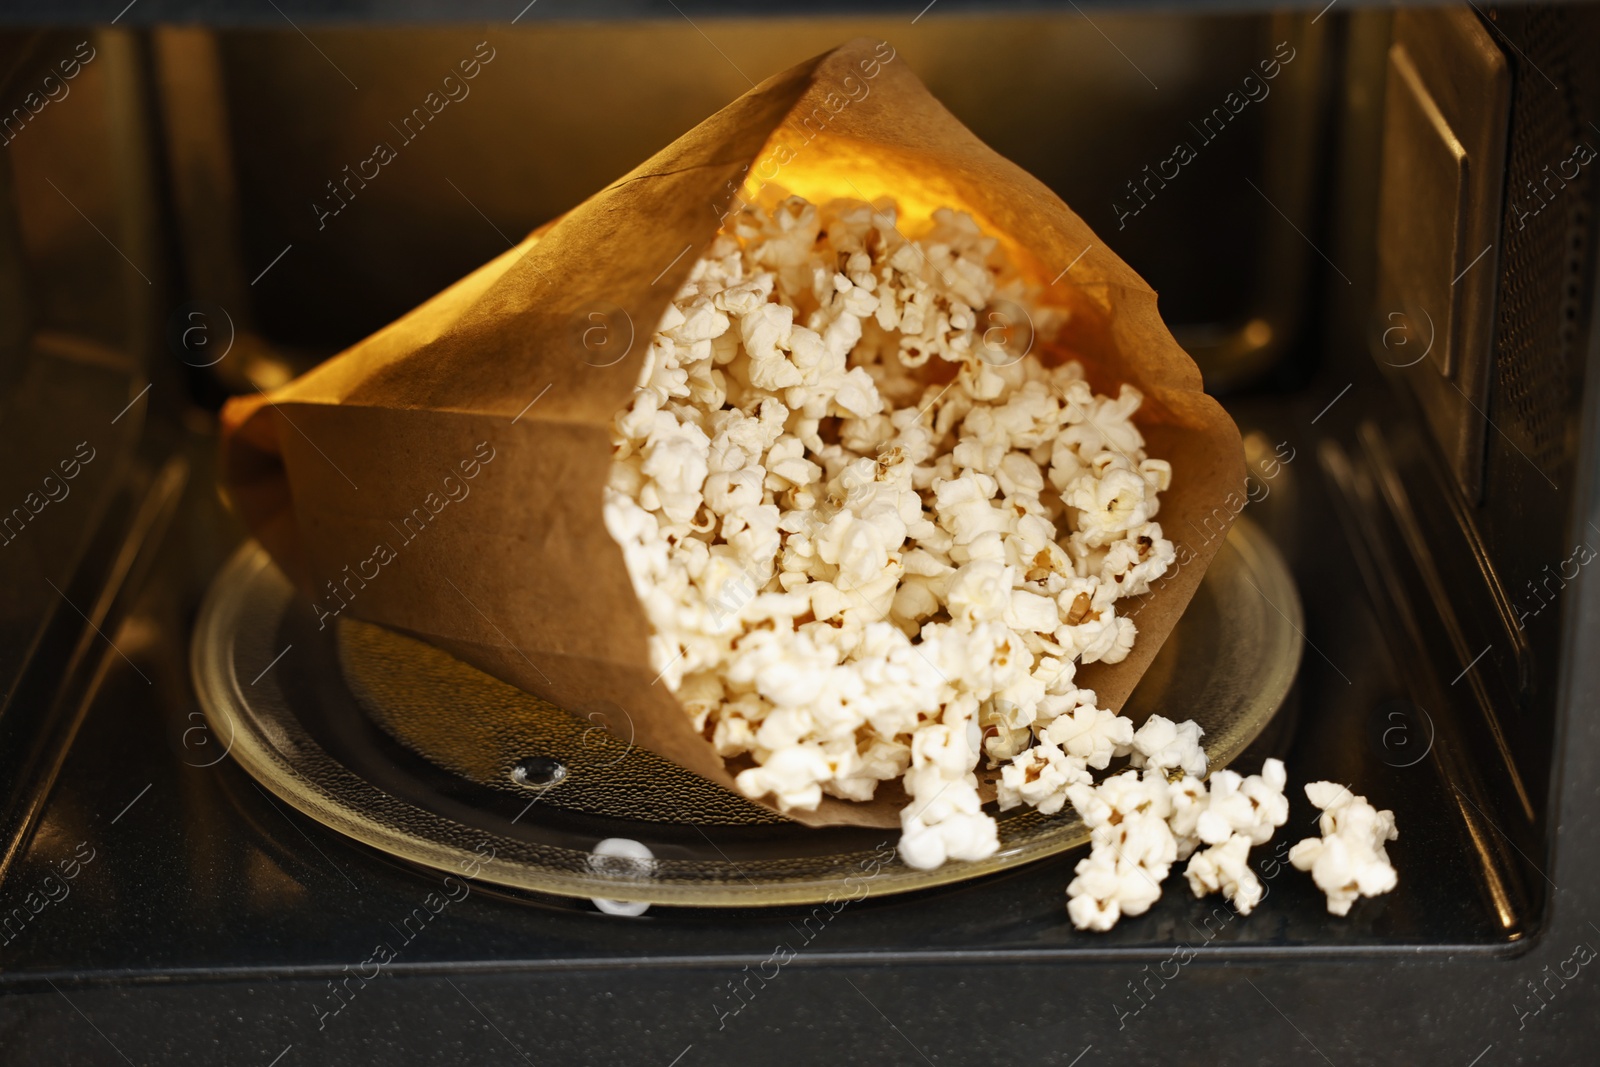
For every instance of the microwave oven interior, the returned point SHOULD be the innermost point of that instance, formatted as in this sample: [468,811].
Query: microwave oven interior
[1384,263]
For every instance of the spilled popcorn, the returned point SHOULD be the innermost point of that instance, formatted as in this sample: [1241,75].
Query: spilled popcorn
[1348,860]
[1141,823]
[872,542]
[1238,813]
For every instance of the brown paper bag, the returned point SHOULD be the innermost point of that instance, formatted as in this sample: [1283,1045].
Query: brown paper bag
[444,476]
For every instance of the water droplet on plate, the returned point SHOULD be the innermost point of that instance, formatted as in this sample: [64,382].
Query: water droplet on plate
[538,771]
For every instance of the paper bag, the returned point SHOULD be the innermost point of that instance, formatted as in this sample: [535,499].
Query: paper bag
[444,476]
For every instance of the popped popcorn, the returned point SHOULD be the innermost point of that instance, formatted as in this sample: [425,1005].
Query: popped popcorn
[874,545]
[1106,888]
[1140,823]
[1168,746]
[1092,734]
[1348,860]
[1253,806]
[1132,848]
[1188,797]
[1040,777]
[1225,868]
[1238,812]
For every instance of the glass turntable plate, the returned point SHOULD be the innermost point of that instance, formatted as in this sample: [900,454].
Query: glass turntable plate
[402,747]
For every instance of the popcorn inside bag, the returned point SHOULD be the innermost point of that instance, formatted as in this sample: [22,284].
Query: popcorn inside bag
[874,533]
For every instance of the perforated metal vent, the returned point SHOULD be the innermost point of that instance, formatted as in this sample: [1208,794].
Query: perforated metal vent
[1546,236]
